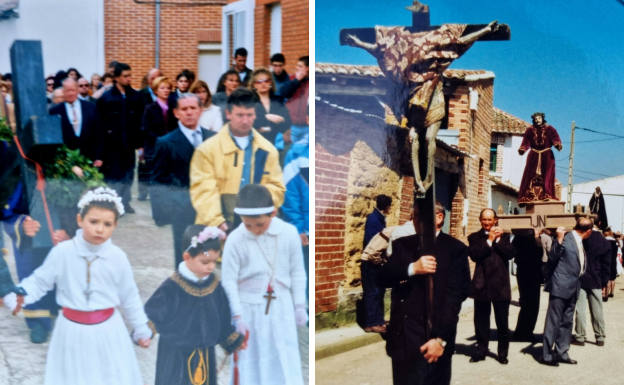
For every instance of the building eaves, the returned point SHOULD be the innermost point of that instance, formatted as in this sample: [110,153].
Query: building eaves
[503,185]
[506,123]
[373,71]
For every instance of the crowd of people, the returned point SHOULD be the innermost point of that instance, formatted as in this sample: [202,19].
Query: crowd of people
[227,171]
[577,268]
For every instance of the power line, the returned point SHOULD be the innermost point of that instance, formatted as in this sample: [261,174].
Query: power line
[600,132]
[576,173]
[594,140]
[582,171]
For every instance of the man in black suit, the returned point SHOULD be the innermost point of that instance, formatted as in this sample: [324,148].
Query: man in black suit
[528,258]
[119,112]
[491,249]
[418,358]
[171,202]
[566,263]
[77,121]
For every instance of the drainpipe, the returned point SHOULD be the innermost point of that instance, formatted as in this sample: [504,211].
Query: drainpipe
[157,37]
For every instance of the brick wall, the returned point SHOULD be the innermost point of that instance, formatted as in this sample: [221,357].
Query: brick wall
[475,138]
[129,35]
[329,223]
[295,31]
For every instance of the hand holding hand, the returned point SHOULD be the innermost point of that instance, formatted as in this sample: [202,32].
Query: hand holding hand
[425,265]
[304,239]
[223,227]
[432,350]
[241,326]
[31,226]
[301,315]
[495,233]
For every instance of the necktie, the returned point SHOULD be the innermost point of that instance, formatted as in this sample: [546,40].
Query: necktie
[197,139]
[75,120]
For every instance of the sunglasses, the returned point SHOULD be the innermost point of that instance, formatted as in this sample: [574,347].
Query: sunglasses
[83,85]
[50,84]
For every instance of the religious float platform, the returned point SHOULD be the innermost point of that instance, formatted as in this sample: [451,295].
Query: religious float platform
[539,215]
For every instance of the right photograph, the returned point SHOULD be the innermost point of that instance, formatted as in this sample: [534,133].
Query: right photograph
[469,199]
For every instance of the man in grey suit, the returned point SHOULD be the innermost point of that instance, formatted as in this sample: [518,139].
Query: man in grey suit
[566,263]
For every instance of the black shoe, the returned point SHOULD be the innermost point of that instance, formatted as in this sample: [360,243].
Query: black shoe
[577,343]
[503,360]
[568,361]
[605,299]
[600,343]
[129,209]
[477,358]
[611,295]
[549,362]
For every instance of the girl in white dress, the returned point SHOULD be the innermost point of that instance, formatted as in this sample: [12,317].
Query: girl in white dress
[93,278]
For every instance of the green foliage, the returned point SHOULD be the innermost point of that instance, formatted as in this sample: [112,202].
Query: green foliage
[64,187]
[6,135]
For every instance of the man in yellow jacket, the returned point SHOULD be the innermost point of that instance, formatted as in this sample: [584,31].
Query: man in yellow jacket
[238,155]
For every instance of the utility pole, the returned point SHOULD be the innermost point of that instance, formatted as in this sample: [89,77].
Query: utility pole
[570,166]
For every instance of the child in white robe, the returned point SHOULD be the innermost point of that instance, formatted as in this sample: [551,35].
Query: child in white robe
[265,281]
[93,278]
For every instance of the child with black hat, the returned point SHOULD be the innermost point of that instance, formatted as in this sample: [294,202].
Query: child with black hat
[264,278]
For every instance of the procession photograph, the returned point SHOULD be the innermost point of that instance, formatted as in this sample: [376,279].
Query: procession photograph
[469,198]
[154,183]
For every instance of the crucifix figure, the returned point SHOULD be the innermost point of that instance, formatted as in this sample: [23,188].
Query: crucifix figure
[269,297]
[413,60]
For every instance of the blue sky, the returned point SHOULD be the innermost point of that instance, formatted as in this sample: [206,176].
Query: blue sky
[565,58]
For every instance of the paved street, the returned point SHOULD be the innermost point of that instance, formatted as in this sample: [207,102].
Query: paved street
[369,365]
[149,249]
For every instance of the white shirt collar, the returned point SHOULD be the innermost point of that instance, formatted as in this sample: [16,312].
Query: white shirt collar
[189,132]
[88,249]
[188,274]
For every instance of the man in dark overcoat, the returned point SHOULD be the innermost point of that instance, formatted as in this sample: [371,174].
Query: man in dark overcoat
[418,358]
[491,249]
[169,185]
[119,112]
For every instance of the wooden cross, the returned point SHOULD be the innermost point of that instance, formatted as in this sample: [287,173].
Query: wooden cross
[269,297]
[38,132]
[418,117]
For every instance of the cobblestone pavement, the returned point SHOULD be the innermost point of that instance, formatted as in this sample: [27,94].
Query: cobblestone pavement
[149,249]
[369,365]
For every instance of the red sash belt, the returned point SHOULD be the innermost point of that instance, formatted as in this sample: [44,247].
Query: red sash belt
[88,317]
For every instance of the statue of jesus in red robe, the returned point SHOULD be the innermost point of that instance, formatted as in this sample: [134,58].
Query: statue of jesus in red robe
[538,180]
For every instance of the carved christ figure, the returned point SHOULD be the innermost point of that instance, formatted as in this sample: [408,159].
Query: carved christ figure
[538,180]
[416,61]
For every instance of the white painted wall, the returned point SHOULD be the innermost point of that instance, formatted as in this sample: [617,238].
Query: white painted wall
[613,191]
[513,163]
[71,32]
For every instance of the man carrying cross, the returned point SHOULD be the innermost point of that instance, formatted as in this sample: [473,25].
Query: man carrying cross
[265,281]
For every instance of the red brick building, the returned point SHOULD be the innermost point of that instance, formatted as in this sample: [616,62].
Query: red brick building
[359,157]
[201,34]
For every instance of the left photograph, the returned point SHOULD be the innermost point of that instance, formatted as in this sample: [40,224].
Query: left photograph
[154,191]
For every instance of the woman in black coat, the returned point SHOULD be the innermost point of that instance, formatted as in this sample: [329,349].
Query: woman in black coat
[272,117]
[157,118]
